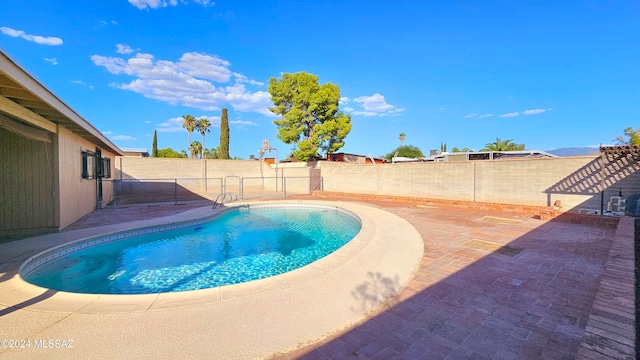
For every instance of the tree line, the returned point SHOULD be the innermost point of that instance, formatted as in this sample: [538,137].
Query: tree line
[411,151]
[196,148]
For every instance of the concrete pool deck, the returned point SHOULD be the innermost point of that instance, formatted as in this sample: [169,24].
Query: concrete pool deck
[249,320]
[557,291]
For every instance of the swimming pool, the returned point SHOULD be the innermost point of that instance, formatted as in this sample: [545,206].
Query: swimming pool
[239,245]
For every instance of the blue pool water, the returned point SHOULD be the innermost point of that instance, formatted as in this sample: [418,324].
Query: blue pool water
[241,245]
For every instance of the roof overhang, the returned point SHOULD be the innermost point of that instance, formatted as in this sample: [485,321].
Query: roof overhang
[24,98]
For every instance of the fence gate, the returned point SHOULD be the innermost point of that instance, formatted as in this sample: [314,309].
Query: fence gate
[315,183]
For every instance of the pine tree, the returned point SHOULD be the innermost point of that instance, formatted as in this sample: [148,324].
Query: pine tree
[224,135]
[309,115]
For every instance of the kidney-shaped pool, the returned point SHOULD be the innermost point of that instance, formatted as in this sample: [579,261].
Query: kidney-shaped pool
[241,244]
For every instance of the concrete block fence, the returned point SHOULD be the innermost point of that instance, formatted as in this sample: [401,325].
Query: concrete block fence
[573,182]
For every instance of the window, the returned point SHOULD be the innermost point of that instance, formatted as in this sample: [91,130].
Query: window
[106,168]
[481,156]
[93,166]
[88,165]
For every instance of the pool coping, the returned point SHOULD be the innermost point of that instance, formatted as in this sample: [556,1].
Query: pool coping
[337,279]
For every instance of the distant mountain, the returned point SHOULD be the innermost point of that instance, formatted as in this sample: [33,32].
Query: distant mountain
[575,151]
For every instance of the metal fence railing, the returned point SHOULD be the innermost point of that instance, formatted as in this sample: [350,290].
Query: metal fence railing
[182,190]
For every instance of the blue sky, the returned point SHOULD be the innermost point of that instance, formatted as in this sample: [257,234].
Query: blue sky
[545,73]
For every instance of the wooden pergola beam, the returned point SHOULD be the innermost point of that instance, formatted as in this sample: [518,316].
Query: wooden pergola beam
[618,149]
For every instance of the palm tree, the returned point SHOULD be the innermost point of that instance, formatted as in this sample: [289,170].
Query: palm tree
[189,123]
[203,126]
[196,148]
[456,150]
[500,145]
[401,137]
[213,153]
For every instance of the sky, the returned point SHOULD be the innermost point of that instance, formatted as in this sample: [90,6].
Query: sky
[545,73]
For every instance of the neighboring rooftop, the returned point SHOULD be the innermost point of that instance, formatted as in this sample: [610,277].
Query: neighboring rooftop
[135,152]
[479,155]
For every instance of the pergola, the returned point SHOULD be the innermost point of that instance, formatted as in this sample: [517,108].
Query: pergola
[618,151]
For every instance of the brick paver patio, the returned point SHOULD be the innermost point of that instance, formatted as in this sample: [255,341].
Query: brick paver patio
[465,303]
[548,296]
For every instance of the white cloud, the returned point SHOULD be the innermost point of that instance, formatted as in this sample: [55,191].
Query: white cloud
[204,2]
[470,116]
[107,132]
[123,137]
[123,49]
[49,40]
[392,112]
[175,124]
[365,113]
[375,102]
[148,122]
[172,125]
[243,79]
[375,105]
[154,4]
[80,82]
[343,100]
[102,23]
[485,116]
[243,123]
[441,108]
[510,115]
[348,109]
[196,80]
[533,112]
[214,120]
[53,61]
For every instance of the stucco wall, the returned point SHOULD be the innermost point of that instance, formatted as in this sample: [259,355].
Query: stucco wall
[78,195]
[26,185]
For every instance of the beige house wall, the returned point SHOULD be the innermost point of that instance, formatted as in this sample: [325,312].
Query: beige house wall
[78,195]
[27,203]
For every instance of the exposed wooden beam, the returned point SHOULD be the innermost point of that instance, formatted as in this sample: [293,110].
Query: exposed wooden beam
[9,107]
[58,119]
[45,112]
[6,82]
[35,104]
[17,94]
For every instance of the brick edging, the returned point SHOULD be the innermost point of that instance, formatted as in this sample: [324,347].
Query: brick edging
[610,331]
[523,209]
[541,212]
